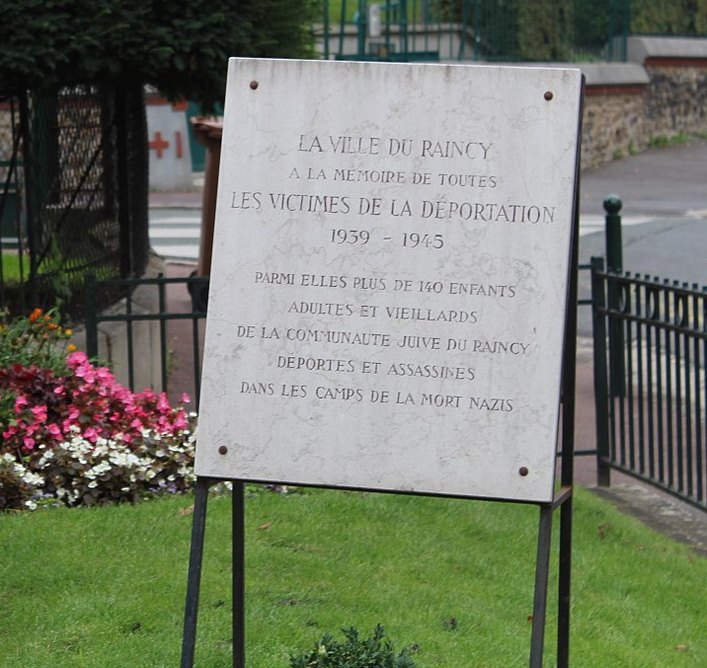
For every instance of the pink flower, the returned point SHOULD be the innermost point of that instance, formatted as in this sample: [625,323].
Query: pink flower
[163,403]
[54,430]
[104,374]
[77,358]
[28,443]
[40,413]
[87,373]
[20,403]
[184,399]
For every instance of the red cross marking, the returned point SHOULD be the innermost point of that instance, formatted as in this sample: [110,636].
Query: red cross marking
[158,144]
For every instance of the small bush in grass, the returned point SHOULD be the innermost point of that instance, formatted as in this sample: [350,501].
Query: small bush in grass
[355,652]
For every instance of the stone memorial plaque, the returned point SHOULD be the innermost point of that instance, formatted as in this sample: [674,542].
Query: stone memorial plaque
[390,274]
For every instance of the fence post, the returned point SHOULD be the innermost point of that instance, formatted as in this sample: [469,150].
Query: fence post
[326,30]
[614,249]
[601,390]
[614,264]
[361,20]
[91,322]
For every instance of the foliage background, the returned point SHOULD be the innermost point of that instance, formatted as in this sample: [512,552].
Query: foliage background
[181,48]
[563,30]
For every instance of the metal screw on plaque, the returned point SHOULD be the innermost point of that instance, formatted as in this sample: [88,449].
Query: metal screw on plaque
[222,450]
[523,470]
[253,84]
[548,95]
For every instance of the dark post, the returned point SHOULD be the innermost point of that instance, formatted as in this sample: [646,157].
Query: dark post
[477,30]
[326,29]
[238,565]
[132,178]
[91,320]
[601,389]
[362,27]
[614,249]
[542,574]
[32,219]
[569,376]
[196,555]
[123,182]
[614,264]
[403,26]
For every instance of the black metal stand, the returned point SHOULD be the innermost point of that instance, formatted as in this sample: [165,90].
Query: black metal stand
[562,500]
[194,576]
[196,554]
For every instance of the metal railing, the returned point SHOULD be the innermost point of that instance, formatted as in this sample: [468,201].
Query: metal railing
[650,354]
[167,328]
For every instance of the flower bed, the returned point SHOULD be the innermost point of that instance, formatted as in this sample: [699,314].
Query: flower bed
[72,434]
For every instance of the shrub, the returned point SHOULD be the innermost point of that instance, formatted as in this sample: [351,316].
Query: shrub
[354,652]
[36,339]
[72,434]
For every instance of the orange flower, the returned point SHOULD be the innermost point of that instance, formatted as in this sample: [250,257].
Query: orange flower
[35,314]
[68,332]
[71,348]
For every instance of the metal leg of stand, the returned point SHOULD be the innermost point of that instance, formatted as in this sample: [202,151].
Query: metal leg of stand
[238,565]
[542,570]
[565,568]
[196,554]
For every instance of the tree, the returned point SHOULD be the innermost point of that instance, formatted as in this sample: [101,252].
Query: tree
[180,48]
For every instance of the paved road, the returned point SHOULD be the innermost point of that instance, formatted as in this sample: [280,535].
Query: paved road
[664,195]
[658,183]
[175,232]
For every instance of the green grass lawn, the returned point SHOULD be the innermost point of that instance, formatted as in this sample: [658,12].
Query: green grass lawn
[105,587]
[11,268]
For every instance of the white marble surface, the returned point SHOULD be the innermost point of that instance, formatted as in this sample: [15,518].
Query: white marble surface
[389,278]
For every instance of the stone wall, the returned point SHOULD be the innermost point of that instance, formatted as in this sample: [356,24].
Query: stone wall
[661,94]
[677,98]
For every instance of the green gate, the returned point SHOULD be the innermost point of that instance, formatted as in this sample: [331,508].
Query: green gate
[478,30]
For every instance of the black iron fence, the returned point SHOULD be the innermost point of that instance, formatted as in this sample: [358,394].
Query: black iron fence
[650,351]
[154,335]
